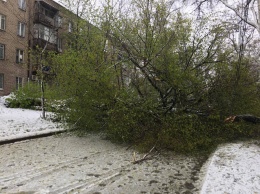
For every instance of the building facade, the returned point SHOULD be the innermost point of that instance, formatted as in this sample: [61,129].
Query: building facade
[27,25]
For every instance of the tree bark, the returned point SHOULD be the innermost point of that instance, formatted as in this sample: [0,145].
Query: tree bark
[246,118]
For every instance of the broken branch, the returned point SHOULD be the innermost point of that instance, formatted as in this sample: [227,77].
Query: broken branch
[147,156]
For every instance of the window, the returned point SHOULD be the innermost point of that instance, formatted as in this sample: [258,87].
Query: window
[21,29]
[2,51]
[45,33]
[19,82]
[2,22]
[59,44]
[70,27]
[19,56]
[48,13]
[1,81]
[58,21]
[22,4]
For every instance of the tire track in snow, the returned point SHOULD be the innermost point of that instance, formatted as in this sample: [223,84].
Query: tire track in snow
[35,173]
[88,184]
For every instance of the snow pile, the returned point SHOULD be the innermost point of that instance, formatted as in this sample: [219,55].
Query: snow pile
[17,123]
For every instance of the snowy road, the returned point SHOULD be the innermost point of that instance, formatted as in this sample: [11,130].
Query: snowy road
[67,164]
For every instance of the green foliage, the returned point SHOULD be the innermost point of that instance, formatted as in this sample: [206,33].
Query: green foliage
[131,119]
[138,123]
[234,93]
[86,87]
[153,79]
[27,97]
[188,133]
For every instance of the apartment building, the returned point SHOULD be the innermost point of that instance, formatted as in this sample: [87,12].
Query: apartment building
[24,26]
[13,45]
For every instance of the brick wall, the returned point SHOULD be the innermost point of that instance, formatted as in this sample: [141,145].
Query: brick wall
[10,39]
[9,68]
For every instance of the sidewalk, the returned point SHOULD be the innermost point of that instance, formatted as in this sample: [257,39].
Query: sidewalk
[234,168]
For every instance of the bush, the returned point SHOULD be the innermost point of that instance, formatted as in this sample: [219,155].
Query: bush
[27,97]
[27,103]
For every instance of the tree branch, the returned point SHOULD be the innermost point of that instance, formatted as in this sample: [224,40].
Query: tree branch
[145,157]
[251,23]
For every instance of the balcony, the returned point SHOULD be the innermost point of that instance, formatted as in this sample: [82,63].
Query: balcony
[41,43]
[46,14]
[43,19]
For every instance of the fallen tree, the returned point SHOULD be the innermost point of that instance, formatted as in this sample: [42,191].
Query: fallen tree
[246,118]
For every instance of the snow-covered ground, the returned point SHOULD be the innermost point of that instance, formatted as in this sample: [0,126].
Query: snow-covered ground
[18,123]
[233,168]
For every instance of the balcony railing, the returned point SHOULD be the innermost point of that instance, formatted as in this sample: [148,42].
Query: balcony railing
[41,43]
[41,18]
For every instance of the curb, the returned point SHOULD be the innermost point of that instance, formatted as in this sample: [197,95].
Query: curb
[30,136]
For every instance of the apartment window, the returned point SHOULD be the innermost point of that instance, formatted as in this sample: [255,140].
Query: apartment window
[70,26]
[21,29]
[19,56]
[22,4]
[2,22]
[49,13]
[45,33]
[1,81]
[2,51]
[58,21]
[59,44]
[19,82]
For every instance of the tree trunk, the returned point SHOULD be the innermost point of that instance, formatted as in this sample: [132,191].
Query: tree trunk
[246,118]
[43,99]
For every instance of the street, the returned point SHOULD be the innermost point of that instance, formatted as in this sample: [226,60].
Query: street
[69,164]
